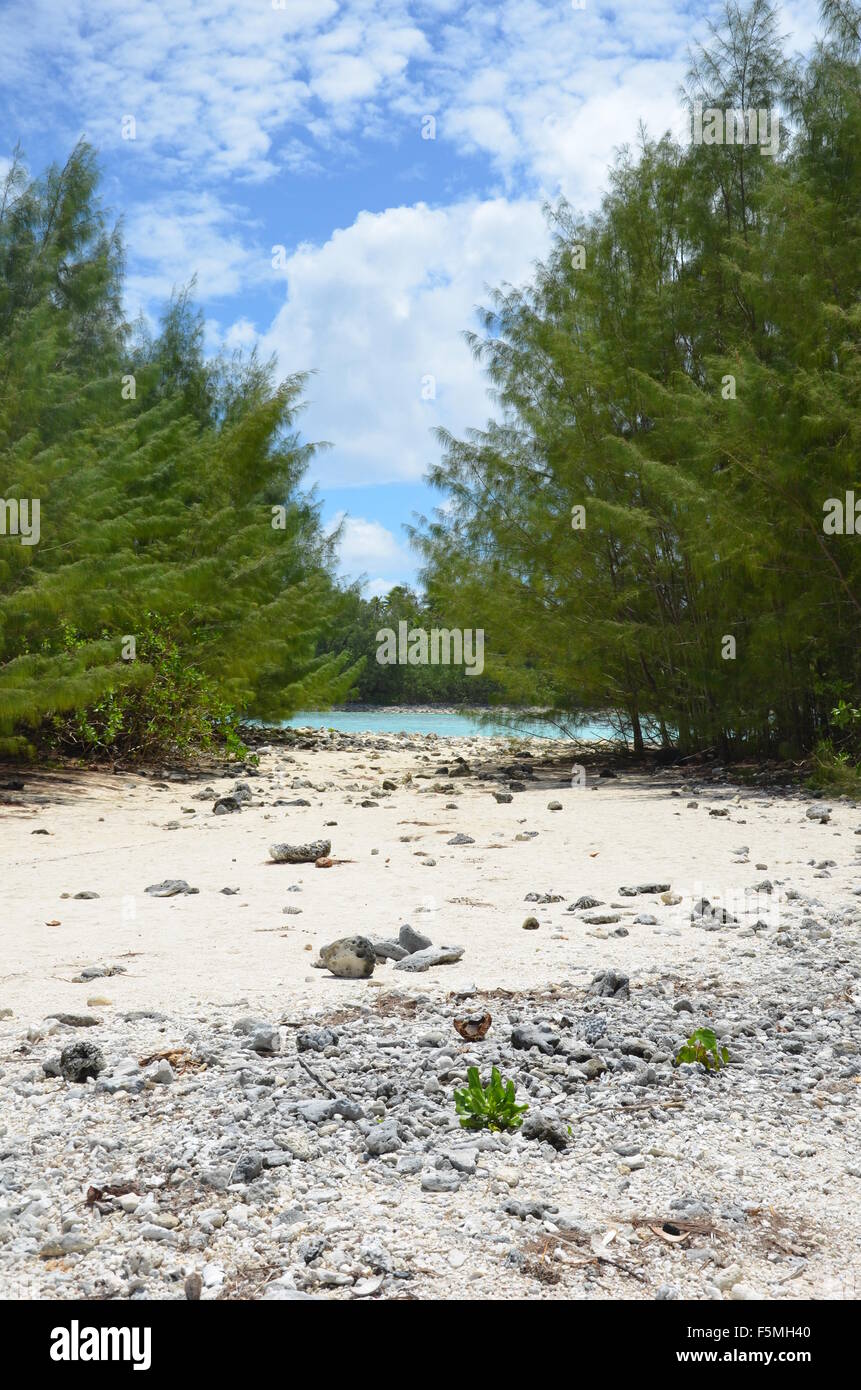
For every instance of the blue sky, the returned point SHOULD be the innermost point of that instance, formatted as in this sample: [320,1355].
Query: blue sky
[303,124]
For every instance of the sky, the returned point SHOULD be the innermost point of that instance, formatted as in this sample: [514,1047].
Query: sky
[348,180]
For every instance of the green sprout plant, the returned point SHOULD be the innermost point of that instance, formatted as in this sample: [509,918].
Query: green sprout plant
[702,1046]
[488,1107]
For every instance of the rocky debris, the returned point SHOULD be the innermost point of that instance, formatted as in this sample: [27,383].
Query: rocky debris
[226,805]
[80,1061]
[316,1039]
[84,895]
[349,958]
[822,814]
[420,961]
[704,914]
[610,984]
[531,924]
[461,839]
[170,888]
[99,972]
[339,1173]
[300,854]
[584,903]
[503,797]
[645,888]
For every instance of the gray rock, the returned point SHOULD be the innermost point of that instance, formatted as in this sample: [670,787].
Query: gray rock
[266,1039]
[81,1060]
[440,1180]
[460,839]
[420,961]
[610,984]
[284,1293]
[383,1138]
[99,972]
[539,1035]
[594,1029]
[317,1112]
[413,940]
[300,854]
[350,957]
[538,1124]
[225,806]
[170,888]
[249,1024]
[594,1067]
[248,1167]
[315,1039]
[86,895]
[389,950]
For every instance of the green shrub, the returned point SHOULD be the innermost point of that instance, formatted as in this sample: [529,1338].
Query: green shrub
[702,1046]
[491,1107]
[168,709]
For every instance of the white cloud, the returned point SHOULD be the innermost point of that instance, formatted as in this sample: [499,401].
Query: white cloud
[228,88]
[368,547]
[172,239]
[379,311]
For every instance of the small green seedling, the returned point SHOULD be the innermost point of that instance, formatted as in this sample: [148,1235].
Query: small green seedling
[490,1107]
[702,1046]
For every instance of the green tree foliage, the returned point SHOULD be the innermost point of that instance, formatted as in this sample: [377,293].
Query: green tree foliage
[170,504]
[355,634]
[685,367]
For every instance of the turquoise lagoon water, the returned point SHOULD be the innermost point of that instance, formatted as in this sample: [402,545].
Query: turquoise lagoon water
[445,723]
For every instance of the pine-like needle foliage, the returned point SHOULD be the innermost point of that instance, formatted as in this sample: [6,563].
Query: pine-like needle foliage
[685,368]
[180,574]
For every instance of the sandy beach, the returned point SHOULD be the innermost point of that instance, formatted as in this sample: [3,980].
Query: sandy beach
[773,958]
[111,835]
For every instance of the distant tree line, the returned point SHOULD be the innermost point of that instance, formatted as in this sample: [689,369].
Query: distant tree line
[356,635]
